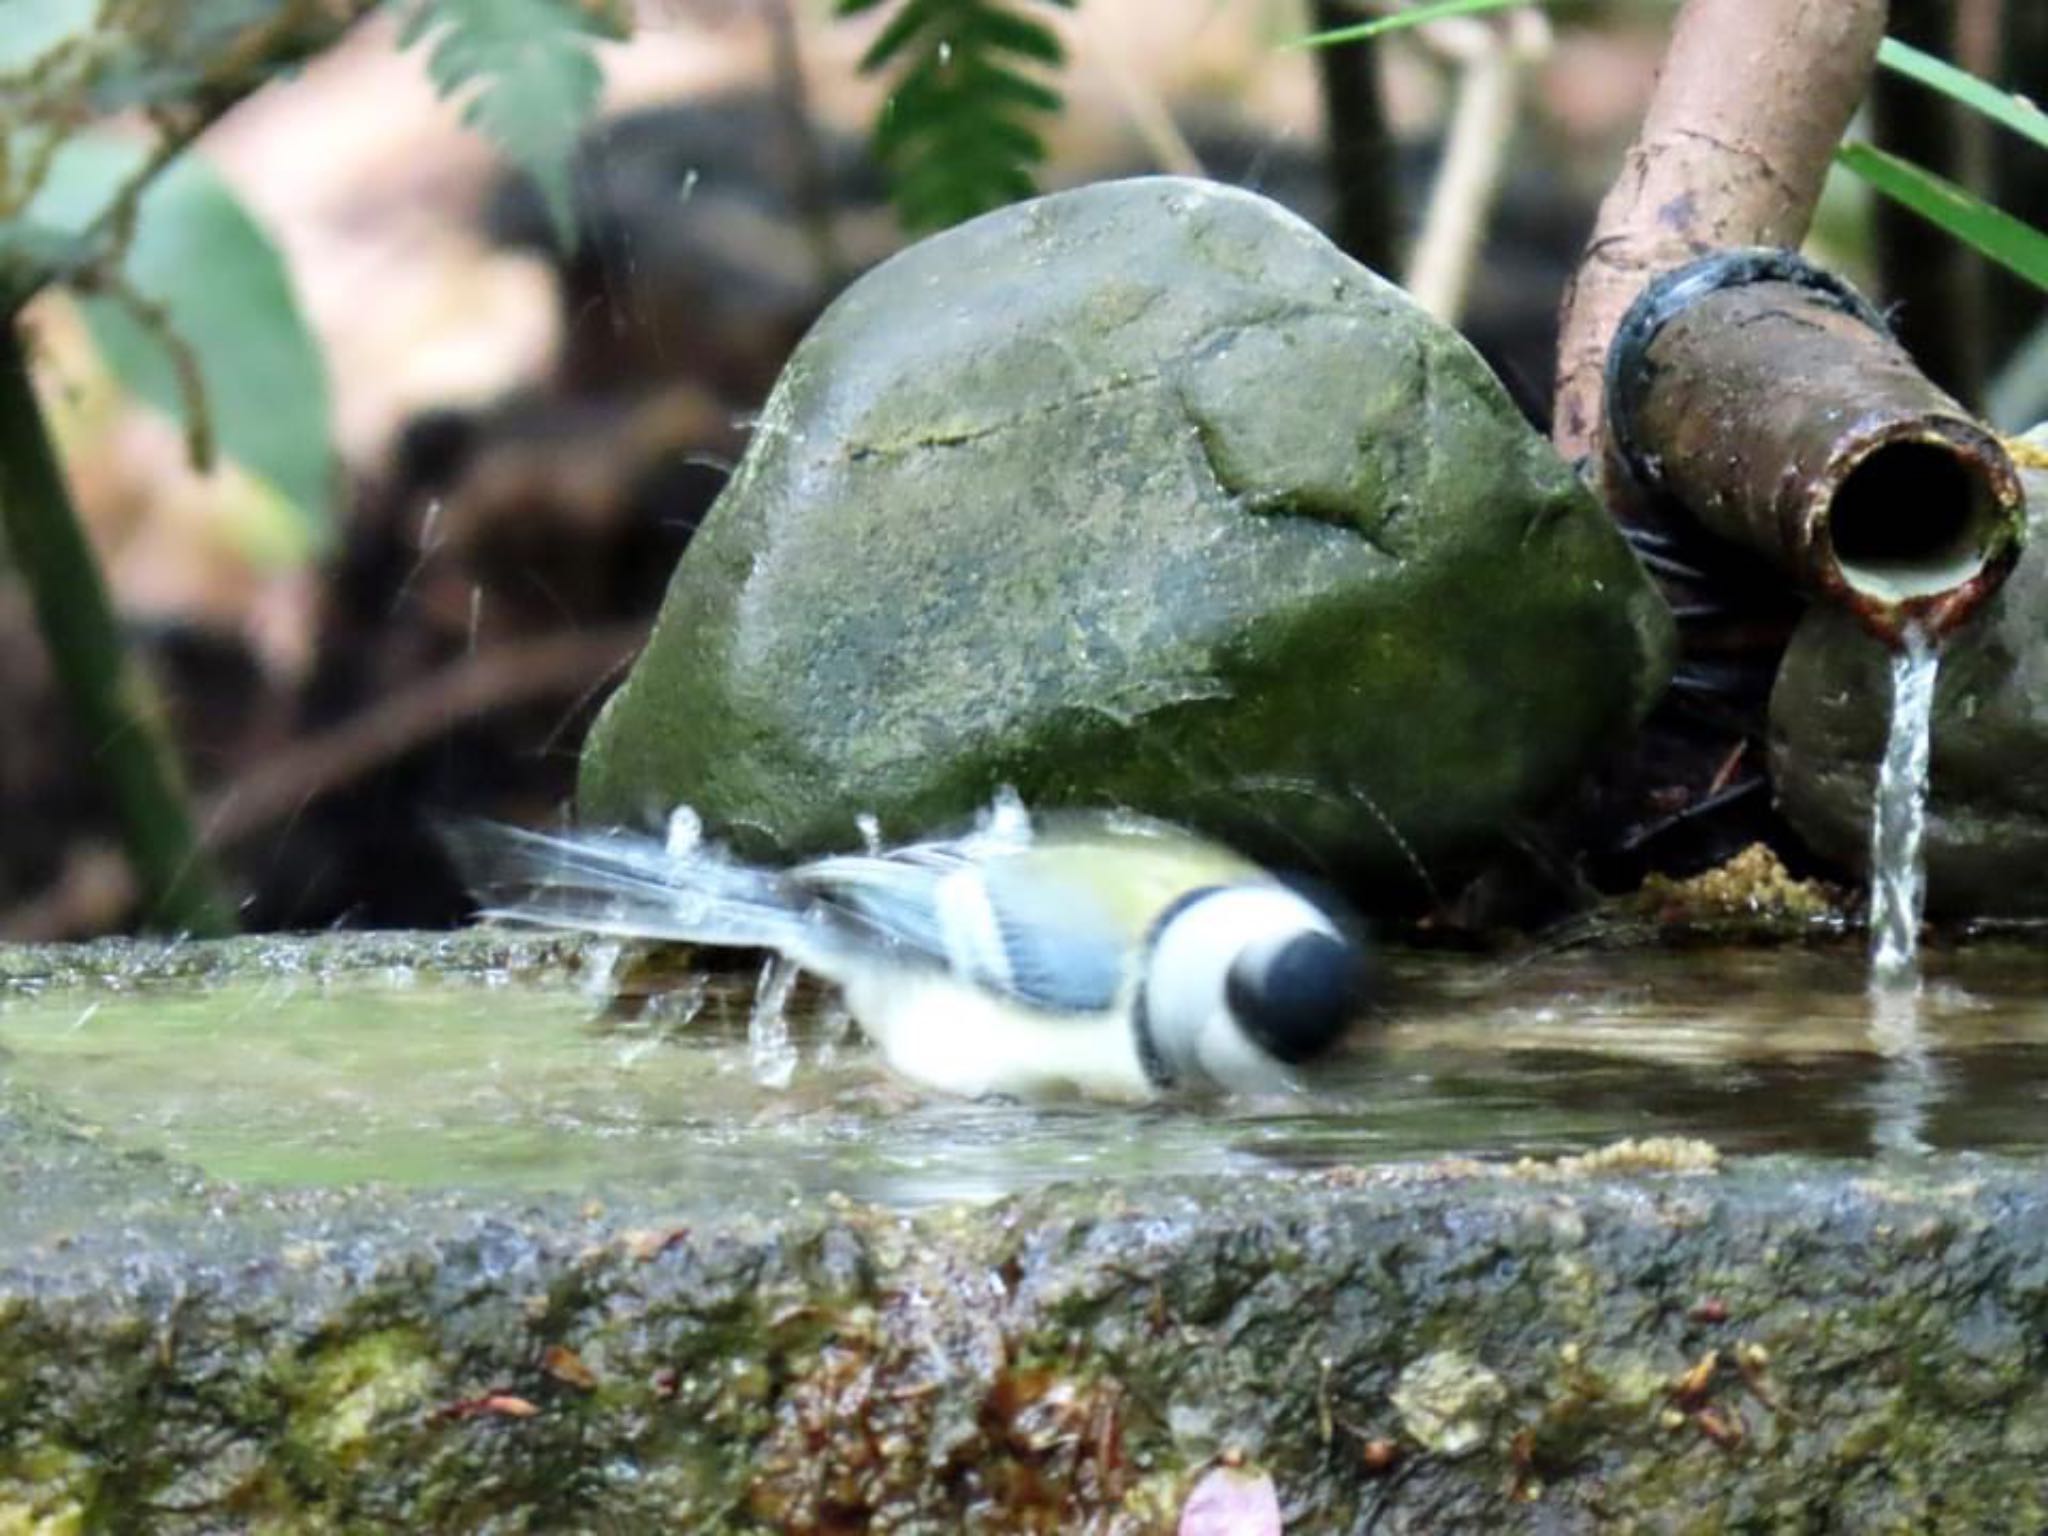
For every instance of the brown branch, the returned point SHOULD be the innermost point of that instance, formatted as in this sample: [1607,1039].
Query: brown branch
[1738,139]
[1490,64]
[571,664]
[94,892]
[96,889]
[155,321]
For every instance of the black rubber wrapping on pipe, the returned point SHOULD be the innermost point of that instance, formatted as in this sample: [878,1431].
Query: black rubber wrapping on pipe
[1672,293]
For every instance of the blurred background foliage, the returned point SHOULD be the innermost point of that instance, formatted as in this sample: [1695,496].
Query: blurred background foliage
[393,351]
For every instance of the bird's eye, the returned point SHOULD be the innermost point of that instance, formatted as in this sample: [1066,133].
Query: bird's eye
[1295,998]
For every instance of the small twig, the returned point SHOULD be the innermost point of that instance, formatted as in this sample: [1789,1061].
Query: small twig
[292,31]
[107,280]
[518,672]
[809,185]
[93,893]
[1491,63]
[97,885]
[114,702]
[1148,115]
[35,174]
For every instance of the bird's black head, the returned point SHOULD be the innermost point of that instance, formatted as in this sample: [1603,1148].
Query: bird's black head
[1294,996]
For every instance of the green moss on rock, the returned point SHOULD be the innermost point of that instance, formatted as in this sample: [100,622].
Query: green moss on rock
[1596,1344]
[349,1389]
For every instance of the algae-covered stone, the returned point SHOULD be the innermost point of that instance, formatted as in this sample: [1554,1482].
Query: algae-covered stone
[1987,815]
[1782,1346]
[1448,1402]
[1141,493]
[1645,1337]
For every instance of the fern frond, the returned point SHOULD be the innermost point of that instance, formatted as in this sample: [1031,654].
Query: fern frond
[954,134]
[528,75]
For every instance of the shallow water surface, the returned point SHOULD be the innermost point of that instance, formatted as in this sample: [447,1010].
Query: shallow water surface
[482,1080]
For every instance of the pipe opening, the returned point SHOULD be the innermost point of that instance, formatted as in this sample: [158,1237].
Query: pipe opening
[1913,519]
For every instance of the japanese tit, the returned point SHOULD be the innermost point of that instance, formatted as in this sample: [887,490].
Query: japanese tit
[1106,955]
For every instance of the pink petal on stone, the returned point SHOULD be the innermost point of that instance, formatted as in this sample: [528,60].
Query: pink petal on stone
[1232,1501]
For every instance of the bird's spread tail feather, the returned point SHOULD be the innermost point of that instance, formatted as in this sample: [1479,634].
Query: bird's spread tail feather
[623,884]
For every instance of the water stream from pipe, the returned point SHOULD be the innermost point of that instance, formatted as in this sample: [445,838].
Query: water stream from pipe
[1898,882]
[1897,873]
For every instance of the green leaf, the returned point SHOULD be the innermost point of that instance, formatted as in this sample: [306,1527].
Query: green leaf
[988,30]
[1998,235]
[106,57]
[2002,107]
[33,255]
[531,80]
[1416,16]
[902,30]
[225,293]
[955,133]
[34,27]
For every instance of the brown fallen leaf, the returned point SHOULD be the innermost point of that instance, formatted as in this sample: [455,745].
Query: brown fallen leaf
[566,1365]
[498,1405]
[644,1243]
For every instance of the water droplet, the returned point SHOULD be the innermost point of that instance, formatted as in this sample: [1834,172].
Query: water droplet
[771,1054]
[601,969]
[675,1009]
[1007,819]
[835,1033]
[685,832]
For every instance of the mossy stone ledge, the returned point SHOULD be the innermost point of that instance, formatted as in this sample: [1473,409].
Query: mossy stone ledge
[1591,1345]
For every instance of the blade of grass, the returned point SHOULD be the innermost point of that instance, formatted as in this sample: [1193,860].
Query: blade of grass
[2002,107]
[1417,16]
[2006,240]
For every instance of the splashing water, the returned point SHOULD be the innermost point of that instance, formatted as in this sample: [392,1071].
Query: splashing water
[771,1054]
[685,836]
[1897,874]
[1007,818]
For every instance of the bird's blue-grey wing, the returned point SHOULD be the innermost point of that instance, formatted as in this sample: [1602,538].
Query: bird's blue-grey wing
[885,899]
[1000,923]
[1062,949]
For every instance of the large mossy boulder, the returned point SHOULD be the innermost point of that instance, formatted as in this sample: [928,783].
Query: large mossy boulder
[1141,494]
[1987,815]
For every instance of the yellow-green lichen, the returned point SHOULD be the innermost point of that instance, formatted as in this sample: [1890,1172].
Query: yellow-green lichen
[46,1490]
[349,1390]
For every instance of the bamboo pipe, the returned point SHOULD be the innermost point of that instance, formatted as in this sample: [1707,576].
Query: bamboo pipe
[1769,401]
